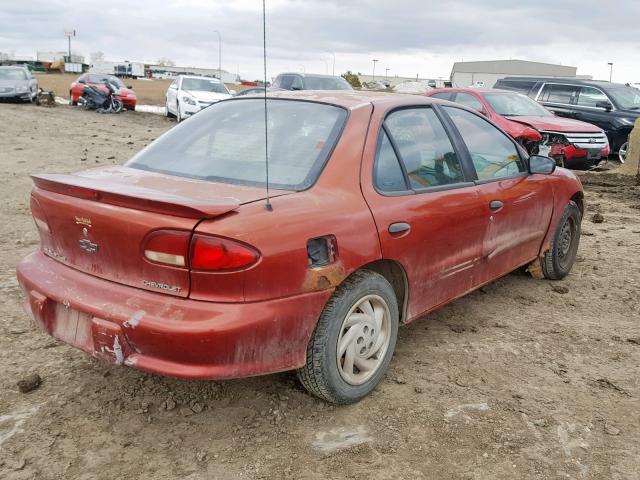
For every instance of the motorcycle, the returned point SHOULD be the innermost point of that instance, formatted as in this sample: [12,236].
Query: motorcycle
[95,98]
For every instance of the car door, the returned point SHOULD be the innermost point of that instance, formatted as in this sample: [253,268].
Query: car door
[172,97]
[587,109]
[518,205]
[429,215]
[559,98]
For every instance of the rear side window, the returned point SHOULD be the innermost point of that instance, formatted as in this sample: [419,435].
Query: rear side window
[424,148]
[388,176]
[590,97]
[226,143]
[564,94]
[493,154]
[469,101]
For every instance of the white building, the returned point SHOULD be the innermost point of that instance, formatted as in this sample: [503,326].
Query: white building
[486,73]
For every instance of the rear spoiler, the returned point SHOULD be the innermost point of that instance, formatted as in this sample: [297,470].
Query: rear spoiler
[131,196]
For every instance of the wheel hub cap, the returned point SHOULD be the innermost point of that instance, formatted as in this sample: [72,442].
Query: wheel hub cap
[363,340]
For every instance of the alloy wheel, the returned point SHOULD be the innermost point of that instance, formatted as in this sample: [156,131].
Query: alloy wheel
[622,152]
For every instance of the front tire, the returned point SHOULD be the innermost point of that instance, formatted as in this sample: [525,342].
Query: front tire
[557,262]
[622,152]
[353,342]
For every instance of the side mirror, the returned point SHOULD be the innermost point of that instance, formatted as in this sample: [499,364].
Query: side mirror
[541,164]
[605,104]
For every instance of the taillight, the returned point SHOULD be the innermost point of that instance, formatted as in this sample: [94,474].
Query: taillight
[39,216]
[220,254]
[169,247]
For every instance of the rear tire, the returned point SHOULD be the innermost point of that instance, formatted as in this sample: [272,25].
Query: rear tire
[117,105]
[353,342]
[557,262]
[622,152]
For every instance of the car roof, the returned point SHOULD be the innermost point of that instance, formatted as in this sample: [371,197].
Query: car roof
[315,75]
[474,90]
[568,81]
[353,99]
[201,76]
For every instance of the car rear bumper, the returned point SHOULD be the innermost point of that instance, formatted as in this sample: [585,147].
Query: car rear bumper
[168,335]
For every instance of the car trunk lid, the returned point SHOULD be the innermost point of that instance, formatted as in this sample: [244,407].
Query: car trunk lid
[99,221]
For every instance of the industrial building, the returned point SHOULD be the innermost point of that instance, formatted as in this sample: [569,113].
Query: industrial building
[486,73]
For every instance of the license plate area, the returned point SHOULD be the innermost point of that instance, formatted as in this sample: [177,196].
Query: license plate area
[72,327]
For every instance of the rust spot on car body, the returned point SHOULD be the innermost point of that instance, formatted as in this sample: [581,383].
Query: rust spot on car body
[324,277]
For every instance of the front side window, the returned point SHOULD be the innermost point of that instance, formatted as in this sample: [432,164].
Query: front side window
[590,97]
[226,143]
[424,147]
[493,154]
[563,94]
[469,101]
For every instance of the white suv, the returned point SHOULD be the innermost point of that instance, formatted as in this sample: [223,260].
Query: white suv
[189,94]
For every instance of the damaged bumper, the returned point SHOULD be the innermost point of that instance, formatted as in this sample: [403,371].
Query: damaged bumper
[167,335]
[574,149]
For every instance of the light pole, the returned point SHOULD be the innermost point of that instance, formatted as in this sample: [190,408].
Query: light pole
[610,71]
[333,69]
[69,34]
[386,74]
[219,53]
[374,70]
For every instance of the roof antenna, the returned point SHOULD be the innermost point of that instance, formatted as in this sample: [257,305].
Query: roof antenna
[267,205]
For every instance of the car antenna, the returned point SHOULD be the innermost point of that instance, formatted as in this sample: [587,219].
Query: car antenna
[267,205]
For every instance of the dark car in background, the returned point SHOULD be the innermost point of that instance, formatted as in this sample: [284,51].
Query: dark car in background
[17,83]
[309,81]
[569,142]
[611,106]
[125,94]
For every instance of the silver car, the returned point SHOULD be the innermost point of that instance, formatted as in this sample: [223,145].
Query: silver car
[17,83]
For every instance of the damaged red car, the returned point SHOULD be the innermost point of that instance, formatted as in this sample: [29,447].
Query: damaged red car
[381,208]
[571,143]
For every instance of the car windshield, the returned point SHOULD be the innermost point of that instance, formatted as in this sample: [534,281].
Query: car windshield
[12,74]
[326,83]
[226,143]
[101,78]
[627,98]
[203,85]
[513,105]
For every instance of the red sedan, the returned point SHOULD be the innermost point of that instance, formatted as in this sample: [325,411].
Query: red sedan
[571,143]
[126,94]
[380,209]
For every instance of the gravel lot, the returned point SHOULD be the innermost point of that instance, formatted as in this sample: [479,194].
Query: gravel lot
[521,379]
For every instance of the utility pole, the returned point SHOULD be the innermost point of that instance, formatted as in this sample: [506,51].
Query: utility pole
[69,34]
[374,70]
[610,71]
[219,53]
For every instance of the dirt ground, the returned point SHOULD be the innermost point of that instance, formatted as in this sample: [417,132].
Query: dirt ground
[523,379]
[149,92]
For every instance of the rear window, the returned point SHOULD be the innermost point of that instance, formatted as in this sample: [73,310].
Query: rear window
[226,143]
[326,83]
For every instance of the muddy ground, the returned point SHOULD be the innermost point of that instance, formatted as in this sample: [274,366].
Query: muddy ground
[522,379]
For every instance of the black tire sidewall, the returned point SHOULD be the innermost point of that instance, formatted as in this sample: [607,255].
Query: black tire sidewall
[372,284]
[571,211]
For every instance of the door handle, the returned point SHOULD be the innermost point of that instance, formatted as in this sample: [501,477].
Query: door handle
[496,205]
[398,228]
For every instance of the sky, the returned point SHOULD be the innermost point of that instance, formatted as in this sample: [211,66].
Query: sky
[408,37]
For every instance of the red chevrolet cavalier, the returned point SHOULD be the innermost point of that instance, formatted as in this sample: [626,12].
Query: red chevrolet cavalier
[382,208]
[571,143]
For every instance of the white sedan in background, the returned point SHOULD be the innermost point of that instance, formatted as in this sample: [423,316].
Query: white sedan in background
[189,94]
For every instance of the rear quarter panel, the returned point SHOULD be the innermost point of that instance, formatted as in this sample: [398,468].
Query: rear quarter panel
[333,206]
